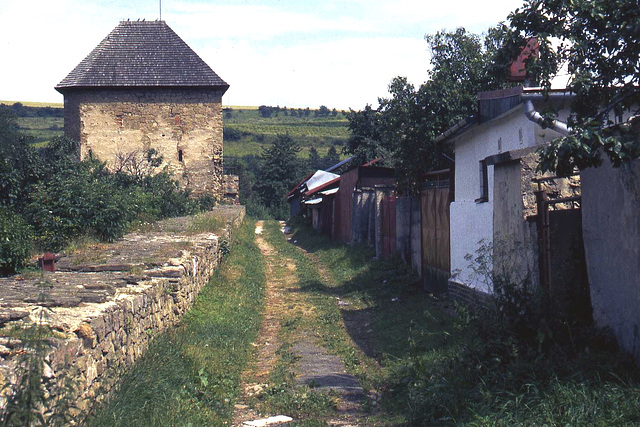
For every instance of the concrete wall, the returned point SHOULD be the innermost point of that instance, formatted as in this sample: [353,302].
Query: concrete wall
[611,230]
[183,125]
[515,238]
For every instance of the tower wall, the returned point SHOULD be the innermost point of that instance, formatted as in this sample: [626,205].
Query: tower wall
[184,125]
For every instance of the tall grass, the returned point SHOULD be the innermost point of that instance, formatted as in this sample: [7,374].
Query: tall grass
[190,375]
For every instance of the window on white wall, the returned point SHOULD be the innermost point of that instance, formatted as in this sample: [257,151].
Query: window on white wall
[484,182]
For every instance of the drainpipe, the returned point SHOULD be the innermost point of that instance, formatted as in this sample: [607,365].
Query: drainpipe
[531,114]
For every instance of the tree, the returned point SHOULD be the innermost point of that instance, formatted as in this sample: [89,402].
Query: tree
[598,42]
[407,123]
[20,164]
[280,172]
[315,162]
[265,111]
[323,111]
[331,158]
[365,141]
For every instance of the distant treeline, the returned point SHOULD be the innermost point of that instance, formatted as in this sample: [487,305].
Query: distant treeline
[20,110]
[323,111]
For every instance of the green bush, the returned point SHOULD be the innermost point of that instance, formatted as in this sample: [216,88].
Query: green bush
[15,241]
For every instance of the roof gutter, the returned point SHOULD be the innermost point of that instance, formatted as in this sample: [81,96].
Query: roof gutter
[456,128]
[534,116]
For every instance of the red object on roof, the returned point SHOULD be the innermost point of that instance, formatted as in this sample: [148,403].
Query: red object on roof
[518,72]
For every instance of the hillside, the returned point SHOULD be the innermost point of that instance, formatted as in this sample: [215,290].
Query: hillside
[246,129]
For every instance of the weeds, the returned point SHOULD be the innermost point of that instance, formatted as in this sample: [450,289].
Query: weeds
[207,222]
[516,363]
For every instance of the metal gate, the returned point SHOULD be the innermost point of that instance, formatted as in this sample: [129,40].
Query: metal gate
[435,198]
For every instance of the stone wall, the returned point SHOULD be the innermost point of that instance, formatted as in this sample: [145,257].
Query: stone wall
[183,125]
[102,307]
[231,189]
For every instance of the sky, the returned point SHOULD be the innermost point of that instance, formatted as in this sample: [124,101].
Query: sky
[338,53]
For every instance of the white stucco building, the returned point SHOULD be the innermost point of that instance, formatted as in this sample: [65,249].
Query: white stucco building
[504,127]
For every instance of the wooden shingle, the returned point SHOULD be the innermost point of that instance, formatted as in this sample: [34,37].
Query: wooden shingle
[142,54]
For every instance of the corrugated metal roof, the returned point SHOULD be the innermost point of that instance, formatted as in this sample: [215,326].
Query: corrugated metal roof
[142,54]
[330,192]
[319,178]
[323,186]
[337,165]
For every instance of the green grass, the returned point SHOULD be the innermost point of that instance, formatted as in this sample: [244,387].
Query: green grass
[190,375]
[41,129]
[443,368]
[381,296]
[207,222]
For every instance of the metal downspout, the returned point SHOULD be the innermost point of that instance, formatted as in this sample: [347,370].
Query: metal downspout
[531,114]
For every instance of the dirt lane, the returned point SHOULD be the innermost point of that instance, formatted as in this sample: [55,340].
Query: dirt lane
[316,370]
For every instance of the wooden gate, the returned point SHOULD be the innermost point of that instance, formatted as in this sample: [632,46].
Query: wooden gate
[388,224]
[435,199]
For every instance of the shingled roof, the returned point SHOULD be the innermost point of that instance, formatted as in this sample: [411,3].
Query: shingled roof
[142,54]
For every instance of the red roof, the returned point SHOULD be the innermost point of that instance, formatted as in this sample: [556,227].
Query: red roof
[518,70]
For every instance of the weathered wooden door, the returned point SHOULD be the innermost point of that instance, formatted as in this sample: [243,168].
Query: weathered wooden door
[388,225]
[436,258]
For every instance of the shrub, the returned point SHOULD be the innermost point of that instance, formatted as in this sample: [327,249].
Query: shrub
[231,134]
[15,241]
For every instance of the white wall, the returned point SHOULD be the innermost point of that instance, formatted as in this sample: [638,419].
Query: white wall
[611,230]
[472,221]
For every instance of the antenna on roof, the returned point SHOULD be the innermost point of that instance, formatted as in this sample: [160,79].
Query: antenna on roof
[161,10]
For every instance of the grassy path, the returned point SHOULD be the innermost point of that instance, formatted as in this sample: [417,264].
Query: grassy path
[190,374]
[326,335]
[293,374]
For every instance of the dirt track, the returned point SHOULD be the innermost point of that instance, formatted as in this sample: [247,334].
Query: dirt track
[315,368]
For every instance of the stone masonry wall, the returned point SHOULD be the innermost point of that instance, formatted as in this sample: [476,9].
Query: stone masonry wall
[102,307]
[184,125]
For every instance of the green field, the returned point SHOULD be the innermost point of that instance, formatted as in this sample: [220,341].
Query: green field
[246,131]
[35,104]
[42,129]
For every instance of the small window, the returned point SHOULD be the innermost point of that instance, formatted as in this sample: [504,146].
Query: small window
[484,182]
[180,155]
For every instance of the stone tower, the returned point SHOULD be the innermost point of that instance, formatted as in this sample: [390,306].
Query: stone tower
[144,88]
